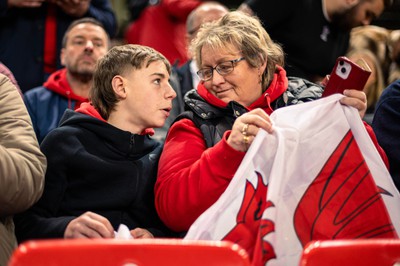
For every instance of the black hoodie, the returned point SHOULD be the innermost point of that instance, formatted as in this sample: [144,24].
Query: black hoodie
[94,166]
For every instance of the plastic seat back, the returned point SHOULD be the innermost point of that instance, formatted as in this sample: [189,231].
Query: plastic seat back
[365,252]
[140,252]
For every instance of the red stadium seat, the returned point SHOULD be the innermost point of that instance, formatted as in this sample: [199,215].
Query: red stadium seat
[140,252]
[365,252]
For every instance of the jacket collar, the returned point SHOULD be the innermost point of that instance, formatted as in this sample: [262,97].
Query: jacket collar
[58,83]
[88,109]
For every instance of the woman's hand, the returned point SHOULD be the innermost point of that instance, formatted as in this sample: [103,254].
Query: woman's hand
[89,225]
[357,99]
[246,127]
[141,233]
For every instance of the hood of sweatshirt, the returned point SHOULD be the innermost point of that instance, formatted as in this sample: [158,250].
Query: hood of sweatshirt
[58,83]
[119,141]
[89,109]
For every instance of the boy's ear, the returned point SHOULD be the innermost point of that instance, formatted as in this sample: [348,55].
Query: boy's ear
[118,84]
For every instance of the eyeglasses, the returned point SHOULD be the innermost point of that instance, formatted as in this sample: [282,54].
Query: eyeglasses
[223,68]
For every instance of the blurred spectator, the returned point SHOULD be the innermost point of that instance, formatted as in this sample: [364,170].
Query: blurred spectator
[31,33]
[370,43]
[122,15]
[374,39]
[207,12]
[185,78]
[390,18]
[161,25]
[313,33]
[22,164]
[394,45]
[7,72]
[85,41]
[135,7]
[375,83]
[387,127]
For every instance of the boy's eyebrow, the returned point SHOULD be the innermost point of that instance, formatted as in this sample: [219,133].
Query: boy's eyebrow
[162,75]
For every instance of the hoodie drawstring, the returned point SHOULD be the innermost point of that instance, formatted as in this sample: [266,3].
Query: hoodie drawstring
[69,99]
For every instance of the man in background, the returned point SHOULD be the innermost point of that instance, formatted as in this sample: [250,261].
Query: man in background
[31,33]
[85,42]
[313,33]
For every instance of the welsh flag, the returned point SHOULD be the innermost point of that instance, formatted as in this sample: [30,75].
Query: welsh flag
[318,176]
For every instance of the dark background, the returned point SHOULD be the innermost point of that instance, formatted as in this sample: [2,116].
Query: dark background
[390,18]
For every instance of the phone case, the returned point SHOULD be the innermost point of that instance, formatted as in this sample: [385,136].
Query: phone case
[347,75]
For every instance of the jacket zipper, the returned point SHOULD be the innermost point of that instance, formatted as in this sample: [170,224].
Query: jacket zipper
[131,143]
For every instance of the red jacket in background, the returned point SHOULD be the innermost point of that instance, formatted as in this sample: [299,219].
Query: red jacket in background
[163,27]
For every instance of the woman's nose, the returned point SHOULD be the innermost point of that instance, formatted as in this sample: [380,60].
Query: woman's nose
[217,78]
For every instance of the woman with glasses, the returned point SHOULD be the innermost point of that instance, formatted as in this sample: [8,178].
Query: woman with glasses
[242,84]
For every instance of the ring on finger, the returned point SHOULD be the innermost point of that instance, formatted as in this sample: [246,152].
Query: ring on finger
[246,139]
[244,129]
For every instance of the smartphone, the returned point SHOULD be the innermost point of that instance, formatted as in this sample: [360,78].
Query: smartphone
[347,74]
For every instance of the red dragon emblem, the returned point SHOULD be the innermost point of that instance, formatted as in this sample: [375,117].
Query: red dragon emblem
[342,203]
[338,204]
[250,229]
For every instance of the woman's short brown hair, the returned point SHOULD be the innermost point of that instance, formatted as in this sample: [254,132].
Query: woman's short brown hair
[246,34]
